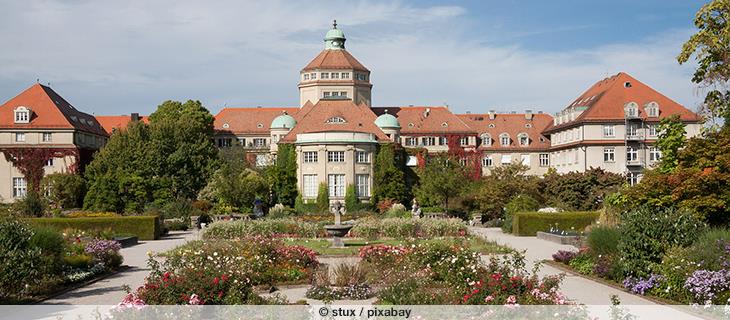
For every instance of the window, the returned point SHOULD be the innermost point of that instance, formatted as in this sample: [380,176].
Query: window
[652,109]
[327,94]
[525,139]
[632,178]
[22,115]
[242,141]
[47,137]
[306,76]
[443,141]
[345,75]
[49,162]
[314,76]
[259,142]
[544,159]
[653,130]
[631,154]
[608,130]
[336,185]
[631,130]
[486,140]
[464,141]
[462,162]
[363,185]
[275,138]
[429,141]
[262,160]
[410,141]
[504,139]
[343,94]
[20,188]
[654,154]
[335,156]
[361,76]
[324,75]
[19,137]
[310,156]
[335,75]
[336,120]
[310,185]
[362,156]
[609,154]
[506,159]
[631,110]
[487,161]
[224,142]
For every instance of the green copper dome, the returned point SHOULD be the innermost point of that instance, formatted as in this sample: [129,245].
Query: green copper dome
[386,120]
[283,121]
[335,38]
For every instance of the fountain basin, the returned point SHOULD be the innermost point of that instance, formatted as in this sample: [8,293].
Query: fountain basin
[335,230]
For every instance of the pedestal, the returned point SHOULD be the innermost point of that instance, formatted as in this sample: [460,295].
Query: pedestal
[337,243]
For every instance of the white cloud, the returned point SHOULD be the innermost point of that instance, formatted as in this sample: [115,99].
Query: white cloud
[128,56]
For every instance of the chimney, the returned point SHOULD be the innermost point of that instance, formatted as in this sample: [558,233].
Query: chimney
[491,114]
[135,116]
[427,112]
[528,114]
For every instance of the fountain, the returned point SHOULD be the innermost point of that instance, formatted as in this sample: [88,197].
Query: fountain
[337,230]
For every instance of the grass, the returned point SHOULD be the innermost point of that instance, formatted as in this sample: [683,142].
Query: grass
[352,246]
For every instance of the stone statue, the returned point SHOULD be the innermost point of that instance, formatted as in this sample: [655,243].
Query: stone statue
[415,210]
[258,208]
[337,209]
[338,230]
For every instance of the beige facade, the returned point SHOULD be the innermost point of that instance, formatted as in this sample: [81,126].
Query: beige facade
[348,83]
[537,163]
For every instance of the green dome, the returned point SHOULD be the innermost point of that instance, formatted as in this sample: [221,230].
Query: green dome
[386,120]
[335,38]
[283,121]
[334,34]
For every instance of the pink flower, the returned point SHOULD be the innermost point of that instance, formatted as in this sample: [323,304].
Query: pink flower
[488,298]
[194,300]
[511,300]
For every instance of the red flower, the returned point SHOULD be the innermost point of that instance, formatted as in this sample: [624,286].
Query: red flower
[224,277]
[215,281]
[220,294]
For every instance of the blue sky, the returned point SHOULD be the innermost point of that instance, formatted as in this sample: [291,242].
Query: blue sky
[117,57]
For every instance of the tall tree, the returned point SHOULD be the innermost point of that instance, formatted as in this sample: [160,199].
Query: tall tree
[283,175]
[389,179]
[442,179]
[671,139]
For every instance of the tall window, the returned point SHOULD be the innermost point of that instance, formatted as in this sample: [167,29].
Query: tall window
[310,156]
[49,162]
[336,184]
[654,154]
[20,188]
[653,130]
[525,139]
[633,178]
[259,142]
[310,185]
[22,115]
[608,130]
[345,75]
[410,141]
[443,141]
[504,139]
[222,142]
[631,130]
[609,154]
[242,141]
[544,160]
[363,186]
[19,137]
[487,161]
[429,141]
[335,156]
[486,140]
[362,156]
[632,154]
[464,141]
[47,137]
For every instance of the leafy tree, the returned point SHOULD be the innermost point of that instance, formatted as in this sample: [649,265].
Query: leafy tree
[671,139]
[389,179]
[441,179]
[352,203]
[579,191]
[323,198]
[64,190]
[283,175]
[503,183]
[235,184]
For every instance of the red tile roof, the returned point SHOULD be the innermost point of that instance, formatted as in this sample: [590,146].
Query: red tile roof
[49,111]
[335,59]
[605,100]
[313,118]
[249,120]
[426,120]
[513,125]
[109,123]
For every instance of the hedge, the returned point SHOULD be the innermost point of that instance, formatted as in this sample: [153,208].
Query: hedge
[529,223]
[144,227]
[263,227]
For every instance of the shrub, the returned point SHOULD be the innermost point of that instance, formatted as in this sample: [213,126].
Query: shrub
[64,190]
[352,203]
[202,205]
[21,264]
[177,225]
[397,213]
[265,227]
[280,211]
[582,262]
[385,205]
[529,223]
[32,205]
[408,228]
[87,214]
[323,198]
[80,261]
[349,275]
[105,252]
[144,227]
[604,240]
[51,244]
[646,233]
[180,208]
[564,256]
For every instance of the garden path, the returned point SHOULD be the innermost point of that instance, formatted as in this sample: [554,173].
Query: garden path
[575,287]
[110,291]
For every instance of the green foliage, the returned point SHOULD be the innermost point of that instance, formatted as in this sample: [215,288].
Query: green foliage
[323,198]
[264,227]
[441,180]
[529,223]
[234,184]
[32,205]
[580,191]
[304,208]
[604,240]
[671,139]
[64,190]
[352,203]
[283,175]
[144,227]
[583,263]
[177,225]
[402,228]
[180,208]
[21,264]
[51,244]
[81,261]
[389,178]
[520,203]
[646,233]
[501,185]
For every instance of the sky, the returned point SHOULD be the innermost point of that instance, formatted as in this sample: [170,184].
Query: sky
[119,57]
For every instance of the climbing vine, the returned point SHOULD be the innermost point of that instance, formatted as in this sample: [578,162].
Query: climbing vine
[31,161]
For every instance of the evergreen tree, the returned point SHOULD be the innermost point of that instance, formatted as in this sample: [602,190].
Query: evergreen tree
[352,203]
[283,175]
[389,179]
[323,198]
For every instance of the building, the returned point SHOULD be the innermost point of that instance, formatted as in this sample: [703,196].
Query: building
[39,128]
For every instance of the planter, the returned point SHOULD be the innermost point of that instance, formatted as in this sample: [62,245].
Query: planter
[569,240]
[127,241]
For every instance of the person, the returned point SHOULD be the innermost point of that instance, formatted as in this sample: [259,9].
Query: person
[258,210]
[415,210]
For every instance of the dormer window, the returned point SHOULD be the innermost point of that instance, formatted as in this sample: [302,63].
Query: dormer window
[652,109]
[524,139]
[22,115]
[306,76]
[336,120]
[504,139]
[486,140]
[631,110]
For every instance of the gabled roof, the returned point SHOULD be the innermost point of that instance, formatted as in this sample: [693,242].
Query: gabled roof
[314,118]
[335,59]
[49,111]
[426,120]
[109,123]
[249,120]
[513,125]
[605,101]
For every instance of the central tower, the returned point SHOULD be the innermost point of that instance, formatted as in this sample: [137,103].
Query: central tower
[334,74]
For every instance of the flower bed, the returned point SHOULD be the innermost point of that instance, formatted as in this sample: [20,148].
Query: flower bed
[265,227]
[401,228]
[144,227]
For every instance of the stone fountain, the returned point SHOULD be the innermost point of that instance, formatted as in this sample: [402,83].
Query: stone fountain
[337,230]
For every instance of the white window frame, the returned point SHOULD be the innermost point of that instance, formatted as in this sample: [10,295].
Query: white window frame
[524,139]
[306,76]
[653,130]
[336,185]
[22,115]
[411,141]
[335,75]
[502,140]
[609,154]
[20,187]
[428,141]
[47,136]
[324,75]
[632,130]
[655,154]
[633,178]
[632,154]
[486,140]
[544,159]
[487,161]
[345,75]
[310,185]
[464,141]
[362,185]
[313,75]
[259,142]
[443,141]
[362,156]
[335,156]
[310,156]
[609,130]
[20,137]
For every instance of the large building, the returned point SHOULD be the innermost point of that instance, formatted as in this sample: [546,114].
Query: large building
[335,129]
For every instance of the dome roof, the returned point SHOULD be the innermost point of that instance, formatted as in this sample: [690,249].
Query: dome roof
[283,121]
[386,120]
[334,33]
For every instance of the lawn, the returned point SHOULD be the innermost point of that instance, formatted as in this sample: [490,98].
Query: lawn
[352,246]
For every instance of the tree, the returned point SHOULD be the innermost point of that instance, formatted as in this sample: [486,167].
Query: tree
[711,48]
[671,139]
[64,190]
[283,175]
[441,180]
[235,184]
[503,183]
[389,179]
[352,203]
[579,191]
[323,198]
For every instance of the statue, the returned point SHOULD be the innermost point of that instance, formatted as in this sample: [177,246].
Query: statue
[416,210]
[258,208]
[338,230]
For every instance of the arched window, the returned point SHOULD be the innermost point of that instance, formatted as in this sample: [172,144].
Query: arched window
[504,139]
[652,109]
[631,110]
[486,139]
[524,139]
[336,120]
[22,115]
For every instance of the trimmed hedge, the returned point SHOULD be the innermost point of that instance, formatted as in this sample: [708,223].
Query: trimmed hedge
[529,223]
[144,227]
[263,227]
